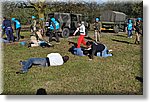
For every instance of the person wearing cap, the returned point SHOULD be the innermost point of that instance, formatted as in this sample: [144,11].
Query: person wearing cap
[81,29]
[17,27]
[97,29]
[54,28]
[129,28]
[8,29]
[138,30]
[33,26]
[52,59]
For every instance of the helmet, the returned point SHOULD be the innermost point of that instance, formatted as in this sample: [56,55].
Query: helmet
[139,19]
[82,22]
[42,19]
[97,19]
[53,19]
[130,21]
[13,19]
[33,17]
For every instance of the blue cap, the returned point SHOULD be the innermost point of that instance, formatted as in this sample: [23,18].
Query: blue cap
[97,19]
[13,19]
[53,19]
[139,19]
[42,19]
[130,21]
[33,17]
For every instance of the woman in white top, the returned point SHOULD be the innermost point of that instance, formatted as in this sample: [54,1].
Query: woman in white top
[52,59]
[81,28]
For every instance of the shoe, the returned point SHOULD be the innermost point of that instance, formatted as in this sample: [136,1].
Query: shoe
[20,63]
[21,72]
[109,50]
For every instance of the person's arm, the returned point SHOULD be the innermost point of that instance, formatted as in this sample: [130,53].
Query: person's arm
[76,31]
[54,26]
[93,51]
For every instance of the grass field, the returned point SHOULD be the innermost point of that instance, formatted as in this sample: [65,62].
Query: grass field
[110,76]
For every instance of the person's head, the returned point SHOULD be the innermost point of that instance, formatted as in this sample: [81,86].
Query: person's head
[130,21]
[139,19]
[65,58]
[89,44]
[33,17]
[13,19]
[97,19]
[4,18]
[82,22]
[53,19]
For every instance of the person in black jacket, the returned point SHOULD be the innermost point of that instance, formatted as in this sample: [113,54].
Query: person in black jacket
[97,49]
[8,29]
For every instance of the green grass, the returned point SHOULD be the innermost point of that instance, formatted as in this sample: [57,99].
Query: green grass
[112,75]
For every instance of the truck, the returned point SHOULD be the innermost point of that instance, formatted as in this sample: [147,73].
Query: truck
[68,22]
[113,21]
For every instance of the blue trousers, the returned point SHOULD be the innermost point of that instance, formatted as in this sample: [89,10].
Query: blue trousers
[129,33]
[18,34]
[104,53]
[9,33]
[33,61]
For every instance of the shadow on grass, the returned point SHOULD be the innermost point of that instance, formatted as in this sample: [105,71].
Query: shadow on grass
[89,38]
[121,41]
[120,36]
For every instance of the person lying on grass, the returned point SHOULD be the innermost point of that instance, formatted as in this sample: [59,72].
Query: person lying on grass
[77,51]
[52,59]
[97,49]
[37,40]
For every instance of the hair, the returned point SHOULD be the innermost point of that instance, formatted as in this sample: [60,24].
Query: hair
[65,58]
[88,43]
[4,17]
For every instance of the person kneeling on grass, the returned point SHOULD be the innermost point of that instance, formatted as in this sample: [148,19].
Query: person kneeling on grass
[97,49]
[52,59]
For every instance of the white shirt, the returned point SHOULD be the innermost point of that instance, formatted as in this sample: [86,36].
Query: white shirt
[82,30]
[55,59]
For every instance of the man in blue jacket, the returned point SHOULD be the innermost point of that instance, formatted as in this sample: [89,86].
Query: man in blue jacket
[54,27]
[17,27]
[6,25]
[130,28]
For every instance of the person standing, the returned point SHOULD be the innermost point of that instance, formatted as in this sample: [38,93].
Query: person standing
[17,27]
[81,29]
[129,28]
[8,29]
[138,30]
[54,28]
[97,29]
[33,26]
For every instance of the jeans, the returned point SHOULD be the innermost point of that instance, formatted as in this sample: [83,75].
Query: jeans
[18,34]
[33,61]
[9,33]
[104,53]
[129,33]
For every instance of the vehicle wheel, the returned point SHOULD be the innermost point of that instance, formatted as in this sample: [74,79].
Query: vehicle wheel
[116,29]
[65,33]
